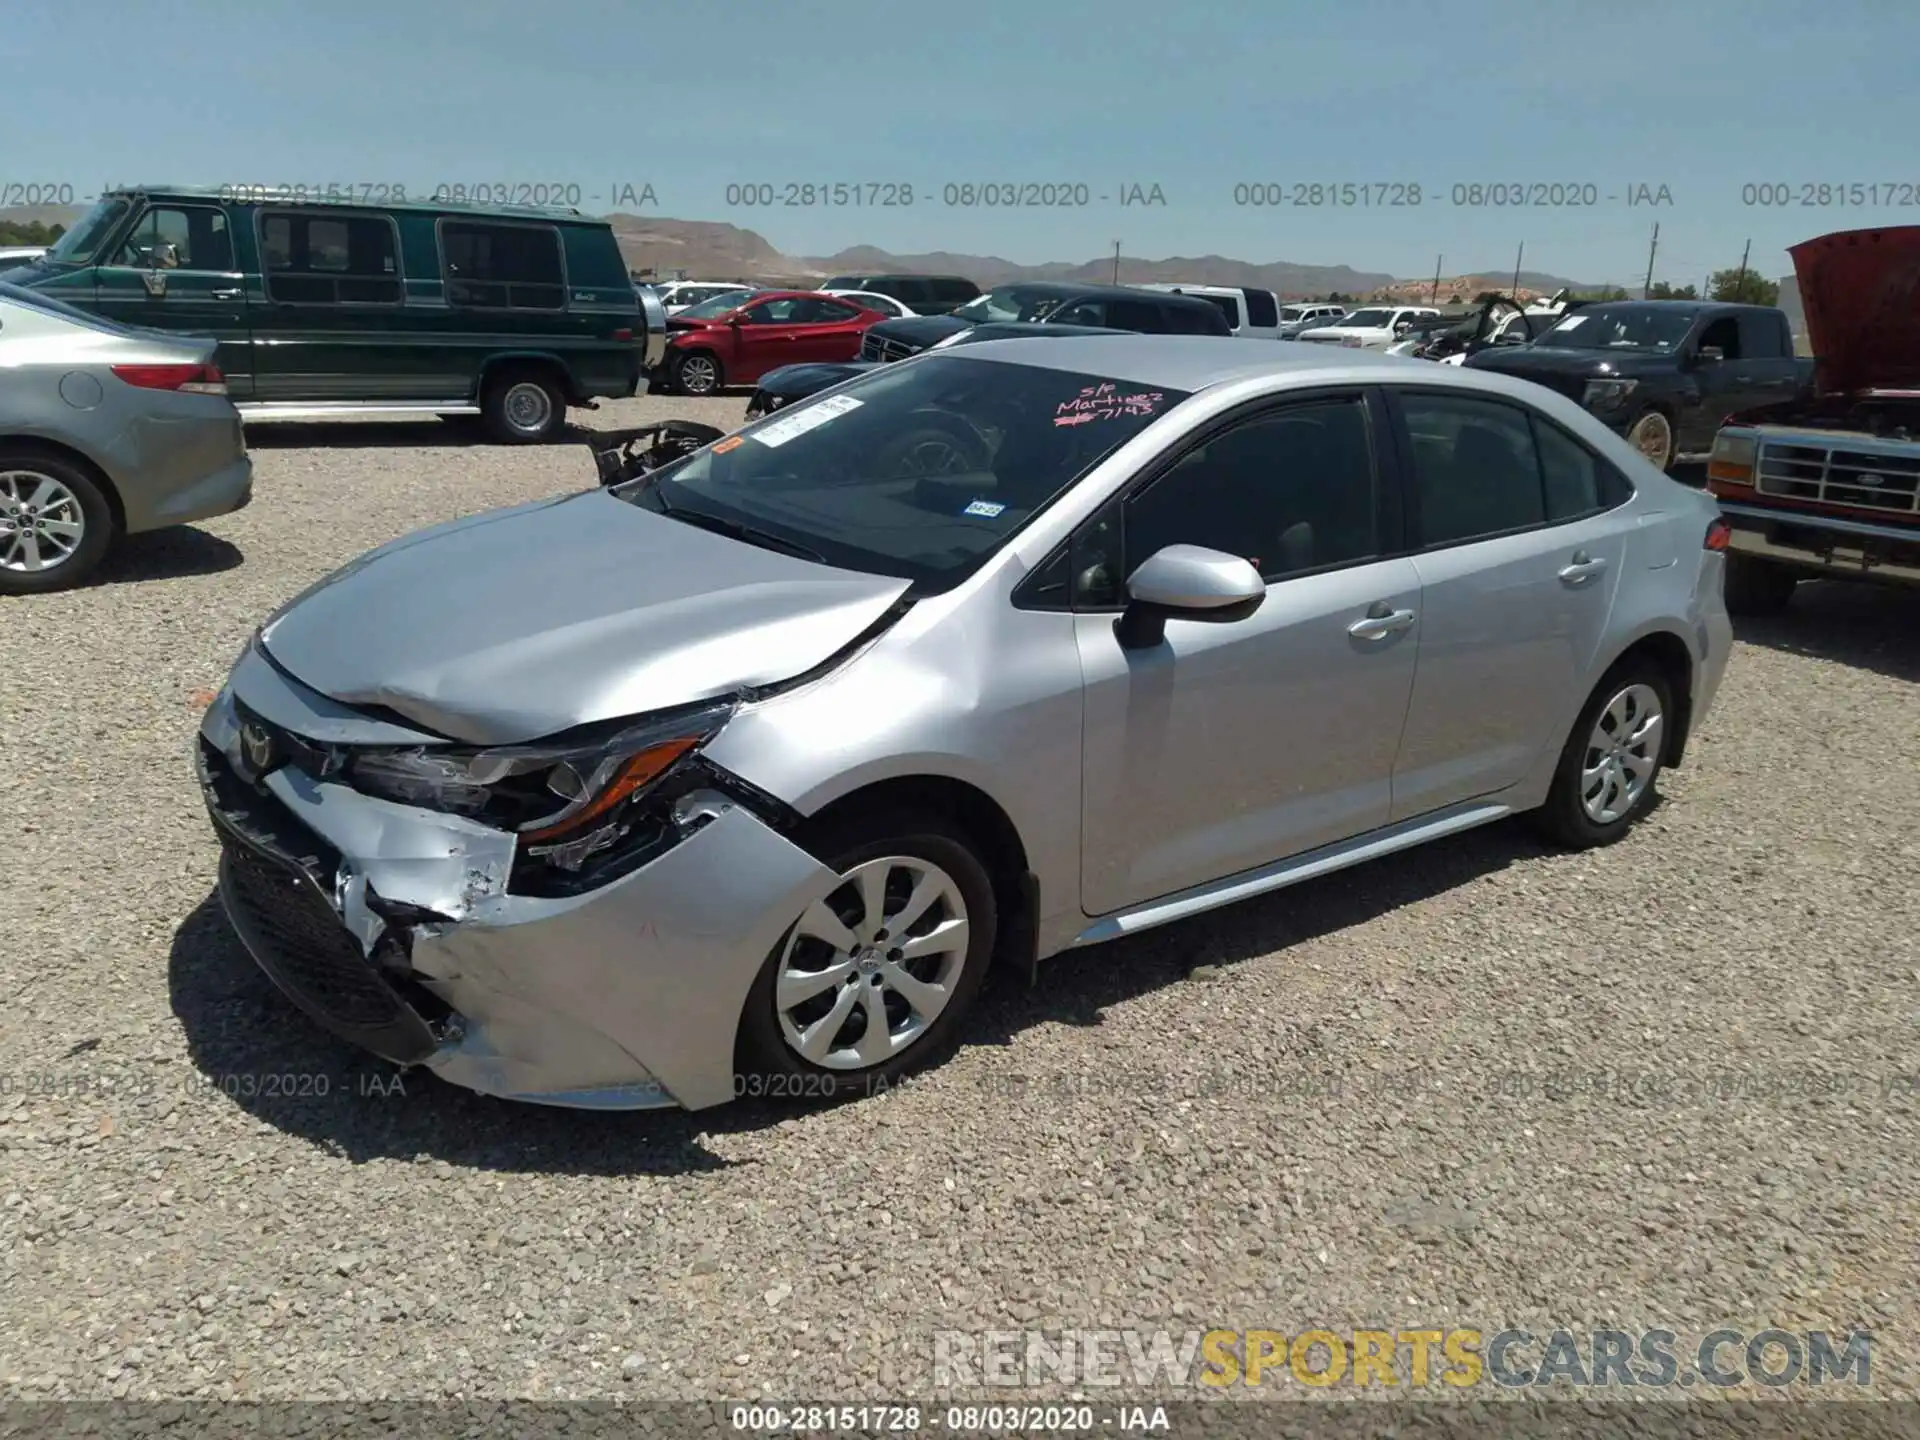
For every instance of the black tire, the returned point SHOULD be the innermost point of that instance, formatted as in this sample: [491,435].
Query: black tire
[523,405]
[699,372]
[96,520]
[1652,435]
[931,449]
[766,1064]
[1564,818]
[1757,587]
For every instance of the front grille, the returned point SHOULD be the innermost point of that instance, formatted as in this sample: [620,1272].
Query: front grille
[879,347]
[299,940]
[1838,475]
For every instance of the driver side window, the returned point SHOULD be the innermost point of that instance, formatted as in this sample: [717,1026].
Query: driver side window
[1724,334]
[179,237]
[1292,490]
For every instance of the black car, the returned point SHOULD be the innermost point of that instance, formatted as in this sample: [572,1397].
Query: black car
[1051,302]
[922,294]
[796,382]
[1663,373]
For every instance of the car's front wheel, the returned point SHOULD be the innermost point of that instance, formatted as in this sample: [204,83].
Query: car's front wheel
[55,523]
[698,373]
[1607,771]
[872,981]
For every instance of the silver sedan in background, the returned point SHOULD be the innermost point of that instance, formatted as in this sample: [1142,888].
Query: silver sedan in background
[105,430]
[734,778]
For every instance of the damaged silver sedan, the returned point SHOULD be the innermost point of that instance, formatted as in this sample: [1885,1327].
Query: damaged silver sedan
[735,776]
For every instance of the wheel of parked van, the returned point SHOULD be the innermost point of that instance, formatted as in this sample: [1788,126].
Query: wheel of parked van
[697,372]
[872,981]
[1757,587]
[522,406]
[1612,759]
[1652,436]
[55,523]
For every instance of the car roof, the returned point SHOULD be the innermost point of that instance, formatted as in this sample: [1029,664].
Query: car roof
[297,199]
[1195,362]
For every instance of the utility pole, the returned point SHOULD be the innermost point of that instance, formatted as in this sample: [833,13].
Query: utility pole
[1515,292]
[1116,262]
[1434,297]
[1740,284]
[1647,289]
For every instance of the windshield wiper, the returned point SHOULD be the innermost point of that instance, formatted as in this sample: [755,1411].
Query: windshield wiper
[736,530]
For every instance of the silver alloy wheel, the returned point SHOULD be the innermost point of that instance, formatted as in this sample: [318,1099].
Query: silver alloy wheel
[527,406]
[1652,436]
[867,970]
[699,375]
[1622,754]
[41,522]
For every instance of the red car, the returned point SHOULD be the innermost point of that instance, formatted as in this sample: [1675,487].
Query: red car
[735,339]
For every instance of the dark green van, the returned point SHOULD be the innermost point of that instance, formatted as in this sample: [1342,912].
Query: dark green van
[337,306]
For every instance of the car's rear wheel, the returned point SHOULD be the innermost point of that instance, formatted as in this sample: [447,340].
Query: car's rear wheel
[1612,759]
[55,524]
[1652,436]
[523,406]
[1757,587]
[872,981]
[698,372]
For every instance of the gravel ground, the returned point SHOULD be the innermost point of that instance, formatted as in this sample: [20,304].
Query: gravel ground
[1148,1138]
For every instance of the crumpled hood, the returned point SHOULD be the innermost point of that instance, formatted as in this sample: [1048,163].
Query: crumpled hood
[1860,290]
[516,624]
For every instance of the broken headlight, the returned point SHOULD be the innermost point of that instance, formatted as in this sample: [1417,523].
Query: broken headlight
[565,798]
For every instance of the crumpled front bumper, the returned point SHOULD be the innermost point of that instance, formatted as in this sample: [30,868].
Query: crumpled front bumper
[627,997]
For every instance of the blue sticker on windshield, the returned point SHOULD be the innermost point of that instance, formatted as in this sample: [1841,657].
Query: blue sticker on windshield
[987,508]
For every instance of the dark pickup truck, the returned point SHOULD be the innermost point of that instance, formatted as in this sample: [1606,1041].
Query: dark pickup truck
[1663,373]
[1827,485]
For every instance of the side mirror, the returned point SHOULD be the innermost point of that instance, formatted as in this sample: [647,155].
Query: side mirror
[1709,355]
[156,282]
[1192,583]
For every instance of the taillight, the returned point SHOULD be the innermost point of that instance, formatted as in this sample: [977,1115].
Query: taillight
[1719,534]
[623,334]
[193,379]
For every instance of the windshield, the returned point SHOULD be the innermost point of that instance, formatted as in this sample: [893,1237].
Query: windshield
[1010,302]
[1621,327]
[922,469]
[1367,319]
[718,305]
[76,247]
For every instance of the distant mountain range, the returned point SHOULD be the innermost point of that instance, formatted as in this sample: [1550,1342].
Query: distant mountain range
[715,249]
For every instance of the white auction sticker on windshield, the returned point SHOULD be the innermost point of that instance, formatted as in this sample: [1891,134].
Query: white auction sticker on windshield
[801,421]
[1572,322]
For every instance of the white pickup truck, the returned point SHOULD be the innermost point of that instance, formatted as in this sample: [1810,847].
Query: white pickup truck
[1372,327]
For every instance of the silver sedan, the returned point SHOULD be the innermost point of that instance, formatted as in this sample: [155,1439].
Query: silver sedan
[734,778]
[105,431]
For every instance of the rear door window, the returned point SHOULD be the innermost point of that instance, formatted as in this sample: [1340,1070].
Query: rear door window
[1227,305]
[1262,310]
[494,266]
[1143,315]
[331,259]
[952,290]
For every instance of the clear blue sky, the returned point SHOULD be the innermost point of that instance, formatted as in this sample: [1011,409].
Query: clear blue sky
[1701,97]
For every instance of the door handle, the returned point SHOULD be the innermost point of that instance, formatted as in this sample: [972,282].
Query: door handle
[225,294]
[1381,621]
[1582,568]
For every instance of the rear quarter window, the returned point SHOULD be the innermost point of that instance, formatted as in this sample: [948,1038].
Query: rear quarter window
[1262,309]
